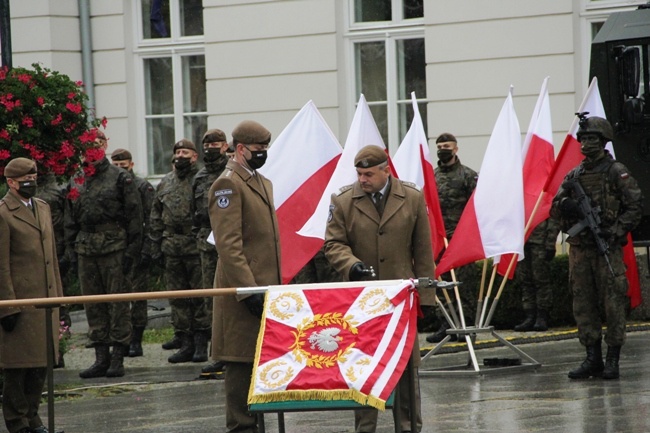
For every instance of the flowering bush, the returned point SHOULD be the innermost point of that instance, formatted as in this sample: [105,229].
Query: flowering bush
[44,117]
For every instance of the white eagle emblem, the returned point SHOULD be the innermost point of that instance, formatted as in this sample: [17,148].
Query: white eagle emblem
[326,339]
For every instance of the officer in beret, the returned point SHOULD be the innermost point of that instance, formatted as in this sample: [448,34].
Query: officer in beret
[242,216]
[139,276]
[174,247]
[103,227]
[380,223]
[29,270]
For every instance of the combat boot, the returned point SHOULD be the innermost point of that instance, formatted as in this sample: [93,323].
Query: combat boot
[440,334]
[200,346]
[592,366]
[117,361]
[135,348]
[529,322]
[186,351]
[611,362]
[102,362]
[541,324]
[174,343]
[215,367]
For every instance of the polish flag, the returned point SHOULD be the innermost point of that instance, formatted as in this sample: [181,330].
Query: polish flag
[412,163]
[539,157]
[492,223]
[300,164]
[363,132]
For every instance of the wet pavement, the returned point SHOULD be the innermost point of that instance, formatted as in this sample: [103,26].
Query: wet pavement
[156,396]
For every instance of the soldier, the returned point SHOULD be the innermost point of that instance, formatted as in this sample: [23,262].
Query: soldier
[534,276]
[597,277]
[380,222]
[28,269]
[103,227]
[174,245]
[246,232]
[139,276]
[456,183]
[215,159]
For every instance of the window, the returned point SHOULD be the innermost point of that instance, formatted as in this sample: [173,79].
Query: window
[173,77]
[387,37]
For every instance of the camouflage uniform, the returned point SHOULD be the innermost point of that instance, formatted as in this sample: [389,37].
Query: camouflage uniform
[104,226]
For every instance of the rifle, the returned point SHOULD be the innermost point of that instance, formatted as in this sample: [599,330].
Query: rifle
[590,219]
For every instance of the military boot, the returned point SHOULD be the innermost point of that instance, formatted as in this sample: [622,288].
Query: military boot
[102,362]
[117,360]
[174,343]
[541,323]
[529,322]
[611,362]
[186,351]
[440,334]
[215,367]
[592,366]
[135,348]
[200,346]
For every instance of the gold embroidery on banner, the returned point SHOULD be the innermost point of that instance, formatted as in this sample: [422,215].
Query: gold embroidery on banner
[327,319]
[374,301]
[351,373]
[283,302]
[273,376]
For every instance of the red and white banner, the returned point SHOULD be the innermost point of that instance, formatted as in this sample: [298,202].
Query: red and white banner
[338,343]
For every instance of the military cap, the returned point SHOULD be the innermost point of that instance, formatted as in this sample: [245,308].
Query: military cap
[214,136]
[445,137]
[19,167]
[251,132]
[369,156]
[184,143]
[121,155]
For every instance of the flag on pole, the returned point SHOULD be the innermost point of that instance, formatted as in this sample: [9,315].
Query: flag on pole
[337,343]
[492,223]
[363,132]
[412,163]
[310,149]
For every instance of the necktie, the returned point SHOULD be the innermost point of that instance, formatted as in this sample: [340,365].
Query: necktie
[30,207]
[379,202]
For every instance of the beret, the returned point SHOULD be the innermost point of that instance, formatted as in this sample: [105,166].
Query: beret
[369,156]
[445,137]
[19,167]
[213,136]
[184,143]
[251,132]
[121,155]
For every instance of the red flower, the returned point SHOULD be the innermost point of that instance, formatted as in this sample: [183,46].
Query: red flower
[4,134]
[28,122]
[4,154]
[24,78]
[75,108]
[40,100]
[71,95]
[67,150]
[89,170]
[79,180]
[88,136]
[104,122]
[56,120]
[73,194]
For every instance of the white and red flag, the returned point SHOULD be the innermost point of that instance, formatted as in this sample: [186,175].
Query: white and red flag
[300,164]
[412,162]
[492,223]
[350,341]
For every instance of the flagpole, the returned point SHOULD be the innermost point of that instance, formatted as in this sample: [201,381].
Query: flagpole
[487,295]
[456,292]
[479,305]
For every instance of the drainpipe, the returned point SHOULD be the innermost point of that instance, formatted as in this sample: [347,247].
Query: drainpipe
[87,54]
[5,33]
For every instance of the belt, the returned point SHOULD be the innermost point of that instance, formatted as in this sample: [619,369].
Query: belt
[97,228]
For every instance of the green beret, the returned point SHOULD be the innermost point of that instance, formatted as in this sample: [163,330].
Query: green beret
[214,136]
[369,156]
[121,155]
[184,143]
[251,132]
[19,167]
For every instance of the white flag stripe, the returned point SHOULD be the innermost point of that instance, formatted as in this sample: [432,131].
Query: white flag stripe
[408,167]
[540,122]
[284,303]
[284,363]
[386,375]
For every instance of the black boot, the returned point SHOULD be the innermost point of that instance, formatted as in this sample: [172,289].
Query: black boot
[174,343]
[440,334]
[611,362]
[117,361]
[541,324]
[186,352]
[102,362]
[135,348]
[200,346]
[529,322]
[592,366]
[215,367]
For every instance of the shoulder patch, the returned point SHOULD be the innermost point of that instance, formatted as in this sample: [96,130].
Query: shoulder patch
[223,192]
[344,189]
[411,185]
[128,180]
[624,175]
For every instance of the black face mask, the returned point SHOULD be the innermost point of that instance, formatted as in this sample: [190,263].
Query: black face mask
[445,155]
[181,163]
[27,188]
[257,159]
[212,154]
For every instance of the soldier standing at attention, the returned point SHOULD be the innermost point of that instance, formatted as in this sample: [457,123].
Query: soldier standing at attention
[215,159]
[174,245]
[139,276]
[103,227]
[598,285]
[247,238]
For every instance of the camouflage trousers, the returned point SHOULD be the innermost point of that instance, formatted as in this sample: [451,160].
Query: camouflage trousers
[533,276]
[139,280]
[108,323]
[188,314]
[208,269]
[597,291]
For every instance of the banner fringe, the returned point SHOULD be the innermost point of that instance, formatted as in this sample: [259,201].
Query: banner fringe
[303,395]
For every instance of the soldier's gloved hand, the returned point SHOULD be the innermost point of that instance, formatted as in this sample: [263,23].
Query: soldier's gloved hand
[569,208]
[255,304]
[550,254]
[127,265]
[360,272]
[8,323]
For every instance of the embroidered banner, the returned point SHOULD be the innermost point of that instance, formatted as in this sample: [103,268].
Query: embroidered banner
[334,343]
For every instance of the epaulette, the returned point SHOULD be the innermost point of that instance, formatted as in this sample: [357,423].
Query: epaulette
[411,185]
[39,199]
[344,189]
